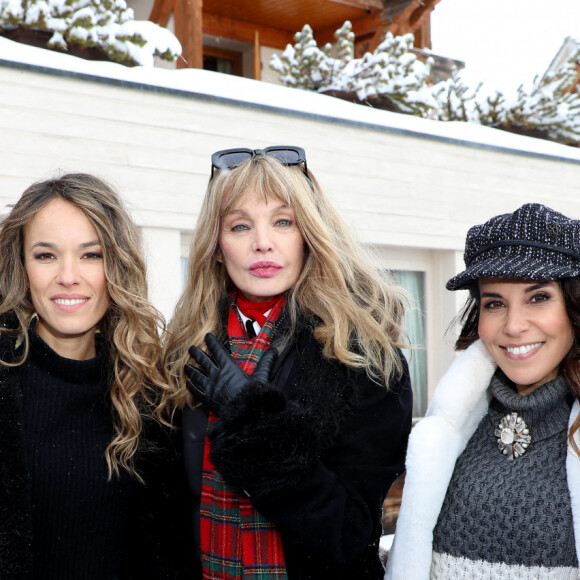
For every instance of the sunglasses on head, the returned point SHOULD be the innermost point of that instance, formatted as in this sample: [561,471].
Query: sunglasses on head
[286,155]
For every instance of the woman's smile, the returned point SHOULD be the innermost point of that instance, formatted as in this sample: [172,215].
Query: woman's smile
[69,303]
[525,327]
[66,277]
[523,351]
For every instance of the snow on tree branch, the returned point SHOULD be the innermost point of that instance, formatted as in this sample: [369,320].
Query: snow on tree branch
[391,73]
[104,24]
[392,77]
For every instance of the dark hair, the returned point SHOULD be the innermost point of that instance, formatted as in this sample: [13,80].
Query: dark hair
[468,319]
[570,365]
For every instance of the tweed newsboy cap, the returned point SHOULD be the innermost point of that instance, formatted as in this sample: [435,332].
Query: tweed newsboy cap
[534,242]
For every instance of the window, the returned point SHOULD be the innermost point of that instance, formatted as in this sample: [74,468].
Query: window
[222,60]
[414,285]
[183,271]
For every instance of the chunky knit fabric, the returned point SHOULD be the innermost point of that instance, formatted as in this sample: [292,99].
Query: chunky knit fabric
[446,567]
[80,518]
[511,518]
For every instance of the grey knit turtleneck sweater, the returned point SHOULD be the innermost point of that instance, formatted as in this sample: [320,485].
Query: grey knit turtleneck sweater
[513,514]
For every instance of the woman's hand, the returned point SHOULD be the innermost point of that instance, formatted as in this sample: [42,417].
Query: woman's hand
[219,378]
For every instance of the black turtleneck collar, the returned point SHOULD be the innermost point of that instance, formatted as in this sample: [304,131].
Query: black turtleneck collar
[66,369]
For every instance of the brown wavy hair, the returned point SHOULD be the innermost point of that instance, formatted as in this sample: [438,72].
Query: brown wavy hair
[131,325]
[360,312]
[570,365]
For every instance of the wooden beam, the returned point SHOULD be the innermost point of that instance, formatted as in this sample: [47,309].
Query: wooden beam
[189,31]
[257,57]
[423,35]
[161,11]
[377,38]
[413,17]
[242,31]
[364,4]
[422,12]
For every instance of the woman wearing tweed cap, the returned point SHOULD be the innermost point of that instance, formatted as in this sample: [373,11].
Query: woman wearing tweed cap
[493,471]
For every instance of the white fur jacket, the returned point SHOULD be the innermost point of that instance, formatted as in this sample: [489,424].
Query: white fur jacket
[459,403]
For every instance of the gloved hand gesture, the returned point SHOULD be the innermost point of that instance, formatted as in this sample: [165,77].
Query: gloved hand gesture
[219,377]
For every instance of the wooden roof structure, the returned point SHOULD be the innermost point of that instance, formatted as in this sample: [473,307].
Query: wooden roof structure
[273,23]
[570,48]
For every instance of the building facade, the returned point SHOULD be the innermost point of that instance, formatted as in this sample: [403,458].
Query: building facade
[410,187]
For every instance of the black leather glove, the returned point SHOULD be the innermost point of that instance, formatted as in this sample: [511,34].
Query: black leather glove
[219,378]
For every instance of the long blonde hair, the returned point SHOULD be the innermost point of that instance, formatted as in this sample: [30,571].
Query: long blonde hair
[130,326]
[360,312]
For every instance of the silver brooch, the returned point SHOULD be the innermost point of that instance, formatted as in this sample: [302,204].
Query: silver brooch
[513,436]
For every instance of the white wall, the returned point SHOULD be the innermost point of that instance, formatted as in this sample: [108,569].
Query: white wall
[269,75]
[163,250]
[408,191]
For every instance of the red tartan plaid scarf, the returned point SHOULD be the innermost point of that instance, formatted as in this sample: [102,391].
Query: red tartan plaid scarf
[236,540]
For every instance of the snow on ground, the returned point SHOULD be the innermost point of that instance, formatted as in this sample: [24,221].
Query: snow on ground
[387,541]
[385,547]
[265,94]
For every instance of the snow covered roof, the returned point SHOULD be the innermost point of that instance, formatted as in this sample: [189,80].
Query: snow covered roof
[201,84]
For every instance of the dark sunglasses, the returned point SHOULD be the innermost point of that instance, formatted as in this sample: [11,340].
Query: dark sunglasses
[286,155]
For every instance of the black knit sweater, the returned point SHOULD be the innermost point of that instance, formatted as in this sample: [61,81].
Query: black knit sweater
[67,421]
[60,516]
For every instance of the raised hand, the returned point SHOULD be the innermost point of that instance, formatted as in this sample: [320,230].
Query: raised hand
[219,378]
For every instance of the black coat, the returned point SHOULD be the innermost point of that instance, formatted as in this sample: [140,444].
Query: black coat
[158,546]
[316,451]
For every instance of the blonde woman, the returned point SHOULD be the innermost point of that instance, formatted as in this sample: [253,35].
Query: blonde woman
[82,463]
[296,420]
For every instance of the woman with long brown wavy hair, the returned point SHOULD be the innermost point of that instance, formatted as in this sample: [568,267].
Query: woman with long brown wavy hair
[288,457]
[87,473]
